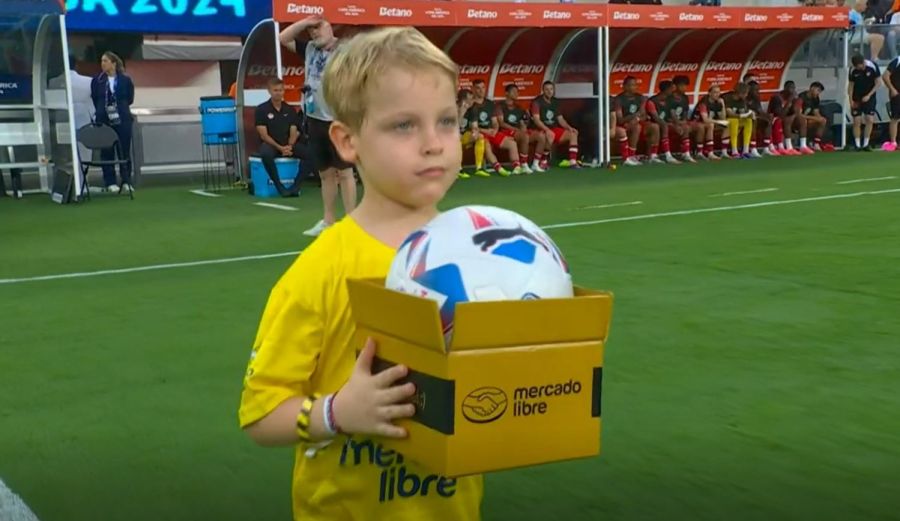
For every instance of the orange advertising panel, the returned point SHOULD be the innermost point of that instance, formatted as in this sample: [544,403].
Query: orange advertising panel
[525,62]
[772,60]
[686,57]
[476,53]
[725,64]
[639,57]
[502,14]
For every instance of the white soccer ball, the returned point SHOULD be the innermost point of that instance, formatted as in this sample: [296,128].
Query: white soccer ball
[479,253]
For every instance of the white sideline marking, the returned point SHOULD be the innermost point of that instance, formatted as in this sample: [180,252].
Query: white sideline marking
[204,193]
[611,205]
[277,206]
[547,227]
[149,268]
[865,180]
[761,190]
[718,209]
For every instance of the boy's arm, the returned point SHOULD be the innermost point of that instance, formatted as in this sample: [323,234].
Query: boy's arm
[367,404]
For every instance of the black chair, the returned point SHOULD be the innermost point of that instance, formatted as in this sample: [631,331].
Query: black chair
[97,137]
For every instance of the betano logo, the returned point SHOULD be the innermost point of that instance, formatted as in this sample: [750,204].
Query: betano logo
[482,14]
[750,17]
[484,405]
[475,69]
[556,15]
[626,15]
[293,8]
[508,68]
[762,65]
[807,17]
[679,67]
[632,67]
[270,70]
[394,12]
[723,66]
[690,17]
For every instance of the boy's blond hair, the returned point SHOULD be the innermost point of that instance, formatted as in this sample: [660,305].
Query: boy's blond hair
[360,61]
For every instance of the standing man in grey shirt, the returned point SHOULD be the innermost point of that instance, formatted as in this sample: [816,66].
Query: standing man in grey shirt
[332,169]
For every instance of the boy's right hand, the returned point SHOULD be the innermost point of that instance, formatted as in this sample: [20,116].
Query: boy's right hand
[369,403]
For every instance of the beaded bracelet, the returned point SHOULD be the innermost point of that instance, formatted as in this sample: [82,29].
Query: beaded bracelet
[303,419]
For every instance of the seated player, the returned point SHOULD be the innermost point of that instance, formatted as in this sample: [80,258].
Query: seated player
[278,127]
[484,120]
[740,121]
[546,117]
[680,124]
[865,79]
[781,107]
[632,117]
[615,131]
[710,113]
[810,119]
[471,137]
[513,118]
[657,111]
[762,131]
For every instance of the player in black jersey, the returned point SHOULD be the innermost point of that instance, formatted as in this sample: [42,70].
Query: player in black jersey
[679,118]
[546,117]
[710,112]
[810,120]
[763,123]
[514,119]
[865,78]
[781,107]
[615,130]
[632,116]
[657,110]
[740,120]
[892,80]
[483,116]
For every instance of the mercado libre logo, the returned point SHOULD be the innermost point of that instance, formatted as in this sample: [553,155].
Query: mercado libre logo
[484,405]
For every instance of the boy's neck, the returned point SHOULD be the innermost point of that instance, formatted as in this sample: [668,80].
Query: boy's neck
[388,221]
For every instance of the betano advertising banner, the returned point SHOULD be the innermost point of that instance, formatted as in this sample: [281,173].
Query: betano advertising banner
[488,14]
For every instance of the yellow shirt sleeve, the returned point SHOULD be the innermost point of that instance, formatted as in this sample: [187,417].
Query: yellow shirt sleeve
[287,345]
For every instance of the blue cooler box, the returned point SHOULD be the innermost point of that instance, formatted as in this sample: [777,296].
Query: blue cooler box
[262,185]
[218,120]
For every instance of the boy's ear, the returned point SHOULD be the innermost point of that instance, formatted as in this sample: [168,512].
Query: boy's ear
[342,138]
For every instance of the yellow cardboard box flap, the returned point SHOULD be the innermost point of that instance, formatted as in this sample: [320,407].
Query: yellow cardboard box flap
[417,320]
[480,325]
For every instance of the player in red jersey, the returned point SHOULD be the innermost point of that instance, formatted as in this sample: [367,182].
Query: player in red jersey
[632,116]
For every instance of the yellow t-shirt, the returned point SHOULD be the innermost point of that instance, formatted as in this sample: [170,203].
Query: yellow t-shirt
[303,346]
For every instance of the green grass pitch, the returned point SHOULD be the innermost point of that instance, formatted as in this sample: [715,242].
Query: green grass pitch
[752,371]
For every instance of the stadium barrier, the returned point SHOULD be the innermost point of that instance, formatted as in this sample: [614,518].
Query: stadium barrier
[586,49]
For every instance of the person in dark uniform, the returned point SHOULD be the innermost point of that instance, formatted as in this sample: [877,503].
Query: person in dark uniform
[891,78]
[865,78]
[278,126]
[112,92]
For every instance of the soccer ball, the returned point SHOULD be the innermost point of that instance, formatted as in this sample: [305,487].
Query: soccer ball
[479,253]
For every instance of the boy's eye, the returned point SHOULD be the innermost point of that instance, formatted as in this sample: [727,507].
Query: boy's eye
[450,122]
[403,125]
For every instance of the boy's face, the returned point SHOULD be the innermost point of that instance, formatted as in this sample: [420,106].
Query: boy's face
[408,148]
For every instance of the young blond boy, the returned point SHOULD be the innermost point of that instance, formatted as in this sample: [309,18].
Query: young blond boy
[393,94]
